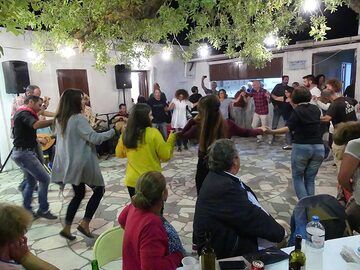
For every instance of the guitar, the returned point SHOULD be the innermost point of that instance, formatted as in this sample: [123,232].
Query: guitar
[46,141]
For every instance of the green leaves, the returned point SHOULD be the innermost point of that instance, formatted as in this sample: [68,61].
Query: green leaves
[113,29]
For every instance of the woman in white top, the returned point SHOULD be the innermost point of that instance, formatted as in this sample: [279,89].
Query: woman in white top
[180,105]
[225,103]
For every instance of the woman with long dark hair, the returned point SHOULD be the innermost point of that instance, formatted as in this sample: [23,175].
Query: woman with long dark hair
[209,125]
[143,145]
[76,161]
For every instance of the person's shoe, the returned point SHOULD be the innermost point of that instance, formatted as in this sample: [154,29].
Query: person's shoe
[186,147]
[259,140]
[67,236]
[84,232]
[179,149]
[287,147]
[46,215]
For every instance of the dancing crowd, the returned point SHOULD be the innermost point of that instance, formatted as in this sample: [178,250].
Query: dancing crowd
[318,121]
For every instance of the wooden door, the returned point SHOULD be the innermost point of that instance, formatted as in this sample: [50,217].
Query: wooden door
[72,78]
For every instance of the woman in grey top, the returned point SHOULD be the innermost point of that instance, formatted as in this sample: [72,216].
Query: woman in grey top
[76,160]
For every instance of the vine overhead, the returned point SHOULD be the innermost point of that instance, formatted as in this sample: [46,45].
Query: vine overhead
[116,29]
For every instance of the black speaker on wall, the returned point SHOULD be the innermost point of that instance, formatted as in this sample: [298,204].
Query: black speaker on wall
[123,77]
[16,75]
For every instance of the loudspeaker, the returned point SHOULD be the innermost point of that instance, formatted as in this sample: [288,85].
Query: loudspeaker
[16,75]
[123,77]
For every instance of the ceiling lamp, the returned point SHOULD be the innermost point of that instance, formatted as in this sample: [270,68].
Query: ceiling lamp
[203,50]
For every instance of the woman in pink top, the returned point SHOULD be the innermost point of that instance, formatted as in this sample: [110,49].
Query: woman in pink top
[146,242]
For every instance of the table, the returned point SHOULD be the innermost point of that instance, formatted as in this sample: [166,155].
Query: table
[330,259]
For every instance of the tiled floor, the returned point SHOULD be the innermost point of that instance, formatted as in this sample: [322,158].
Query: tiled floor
[265,168]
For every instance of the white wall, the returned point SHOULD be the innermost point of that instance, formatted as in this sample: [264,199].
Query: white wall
[102,87]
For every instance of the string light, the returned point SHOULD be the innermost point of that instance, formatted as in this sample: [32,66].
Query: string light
[203,50]
[166,53]
[66,51]
[270,40]
[310,6]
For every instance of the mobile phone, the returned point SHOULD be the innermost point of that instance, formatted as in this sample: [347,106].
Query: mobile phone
[232,265]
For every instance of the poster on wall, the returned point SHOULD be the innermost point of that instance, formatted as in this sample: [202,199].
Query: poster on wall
[297,65]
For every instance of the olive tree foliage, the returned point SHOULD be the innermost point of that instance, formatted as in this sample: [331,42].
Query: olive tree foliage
[114,30]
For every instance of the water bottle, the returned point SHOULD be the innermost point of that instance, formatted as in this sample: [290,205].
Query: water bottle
[315,234]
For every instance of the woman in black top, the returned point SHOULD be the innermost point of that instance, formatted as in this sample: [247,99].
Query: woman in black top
[308,149]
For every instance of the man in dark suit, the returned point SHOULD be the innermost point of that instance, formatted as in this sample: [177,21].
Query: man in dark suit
[229,210]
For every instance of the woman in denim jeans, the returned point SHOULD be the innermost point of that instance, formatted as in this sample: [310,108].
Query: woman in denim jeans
[308,148]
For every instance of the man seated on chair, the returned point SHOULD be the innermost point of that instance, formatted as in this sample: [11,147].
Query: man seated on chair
[121,118]
[228,209]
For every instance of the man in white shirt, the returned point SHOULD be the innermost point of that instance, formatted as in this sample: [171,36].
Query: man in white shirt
[309,83]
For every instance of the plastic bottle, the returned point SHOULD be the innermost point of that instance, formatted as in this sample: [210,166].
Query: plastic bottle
[315,234]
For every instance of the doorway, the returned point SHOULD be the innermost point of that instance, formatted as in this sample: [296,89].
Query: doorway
[72,78]
[340,65]
[140,85]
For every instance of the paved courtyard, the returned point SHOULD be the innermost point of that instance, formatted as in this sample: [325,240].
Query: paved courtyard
[265,168]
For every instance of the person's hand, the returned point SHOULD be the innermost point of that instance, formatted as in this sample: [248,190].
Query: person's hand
[19,249]
[267,130]
[314,98]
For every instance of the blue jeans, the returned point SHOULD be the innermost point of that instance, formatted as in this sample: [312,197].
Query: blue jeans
[34,171]
[305,163]
[162,127]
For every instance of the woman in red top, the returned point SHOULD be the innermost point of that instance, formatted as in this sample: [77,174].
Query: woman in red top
[146,245]
[208,126]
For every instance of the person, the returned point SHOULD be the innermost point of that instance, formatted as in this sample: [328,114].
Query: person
[213,85]
[156,86]
[141,99]
[350,91]
[349,134]
[14,251]
[320,81]
[26,122]
[225,104]
[76,161]
[286,110]
[278,92]
[120,119]
[143,145]
[159,109]
[342,109]
[261,99]
[194,98]
[208,126]
[240,105]
[181,107]
[295,85]
[228,209]
[310,84]
[308,149]
[146,242]
[88,113]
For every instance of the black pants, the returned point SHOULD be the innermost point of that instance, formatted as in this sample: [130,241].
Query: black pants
[201,172]
[131,191]
[181,141]
[91,206]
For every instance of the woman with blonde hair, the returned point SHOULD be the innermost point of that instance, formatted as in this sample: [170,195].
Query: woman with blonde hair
[14,251]
[146,244]
[143,146]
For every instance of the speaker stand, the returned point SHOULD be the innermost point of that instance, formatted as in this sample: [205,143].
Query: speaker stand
[124,96]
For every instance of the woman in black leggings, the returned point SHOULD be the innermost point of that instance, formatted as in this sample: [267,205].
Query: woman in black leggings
[76,161]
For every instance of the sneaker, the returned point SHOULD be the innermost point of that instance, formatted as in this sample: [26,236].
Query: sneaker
[46,215]
[287,147]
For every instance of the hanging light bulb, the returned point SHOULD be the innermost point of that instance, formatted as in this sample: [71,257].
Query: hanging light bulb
[270,40]
[310,6]
[66,51]
[203,50]
[166,53]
